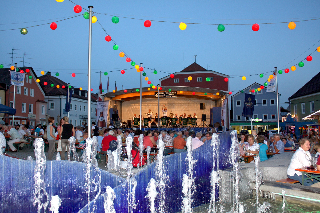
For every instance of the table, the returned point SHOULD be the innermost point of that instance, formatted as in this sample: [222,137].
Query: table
[248,158]
[310,173]
[289,150]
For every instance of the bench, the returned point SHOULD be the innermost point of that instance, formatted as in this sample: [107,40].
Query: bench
[287,180]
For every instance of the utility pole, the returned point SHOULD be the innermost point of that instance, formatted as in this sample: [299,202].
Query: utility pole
[12,55]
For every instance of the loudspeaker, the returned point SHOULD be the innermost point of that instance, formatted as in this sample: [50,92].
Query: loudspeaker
[202,106]
[204,117]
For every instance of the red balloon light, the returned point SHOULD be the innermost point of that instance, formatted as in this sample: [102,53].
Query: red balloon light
[226,79]
[53,26]
[45,83]
[193,93]
[73,75]
[253,91]
[172,76]
[63,86]
[27,70]
[128,59]
[21,71]
[77,9]
[141,68]
[160,88]
[255,27]
[261,87]
[108,38]
[123,72]
[91,89]
[147,23]
[287,70]
[230,93]
[125,91]
[309,58]
[149,82]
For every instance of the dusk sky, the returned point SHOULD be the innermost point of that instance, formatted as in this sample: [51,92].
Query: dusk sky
[238,51]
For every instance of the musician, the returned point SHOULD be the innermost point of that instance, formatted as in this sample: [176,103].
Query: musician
[194,115]
[134,116]
[149,115]
[164,111]
[184,115]
[156,117]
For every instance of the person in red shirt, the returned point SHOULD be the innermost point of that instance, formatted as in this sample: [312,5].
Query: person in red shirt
[106,142]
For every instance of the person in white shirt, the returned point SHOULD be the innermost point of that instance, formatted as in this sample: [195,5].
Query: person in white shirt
[252,148]
[79,133]
[196,142]
[300,159]
[278,144]
[15,138]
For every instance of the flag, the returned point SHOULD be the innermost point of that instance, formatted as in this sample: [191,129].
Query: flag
[17,78]
[272,87]
[68,99]
[108,85]
[115,86]
[100,91]
[248,107]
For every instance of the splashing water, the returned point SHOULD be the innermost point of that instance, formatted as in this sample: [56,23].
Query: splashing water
[148,154]
[161,176]
[214,176]
[141,148]
[29,158]
[152,194]
[72,149]
[132,183]
[58,157]
[40,195]
[55,203]
[188,180]
[2,143]
[283,200]
[118,153]
[258,178]
[109,196]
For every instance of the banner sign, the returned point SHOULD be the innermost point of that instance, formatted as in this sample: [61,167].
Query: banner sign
[17,78]
[102,113]
[248,107]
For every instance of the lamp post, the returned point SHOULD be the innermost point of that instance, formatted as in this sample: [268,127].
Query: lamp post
[89,71]
[140,97]
[158,109]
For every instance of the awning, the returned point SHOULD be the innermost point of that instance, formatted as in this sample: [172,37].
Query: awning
[6,109]
[312,116]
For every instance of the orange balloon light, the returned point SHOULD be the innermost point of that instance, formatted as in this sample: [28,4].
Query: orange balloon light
[291,25]
[269,80]
[12,67]
[293,68]
[146,78]
[113,91]
[58,86]
[271,76]
[148,88]
[80,88]
[318,49]
[42,72]
[121,54]
[38,80]
[217,93]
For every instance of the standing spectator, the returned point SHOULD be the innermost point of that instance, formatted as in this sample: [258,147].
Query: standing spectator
[66,132]
[168,142]
[179,143]
[263,148]
[278,144]
[51,138]
[196,142]
[148,140]
[100,138]
[79,134]
[106,143]
[37,130]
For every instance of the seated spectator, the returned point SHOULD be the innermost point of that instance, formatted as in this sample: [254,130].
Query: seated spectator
[263,148]
[168,142]
[100,138]
[208,137]
[301,158]
[285,142]
[317,149]
[252,148]
[242,144]
[196,142]
[15,137]
[179,143]
[278,144]
[37,130]
[106,143]
[148,140]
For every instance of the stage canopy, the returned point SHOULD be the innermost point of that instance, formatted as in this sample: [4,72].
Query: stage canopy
[6,109]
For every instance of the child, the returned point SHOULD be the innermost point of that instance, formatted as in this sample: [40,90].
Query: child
[317,149]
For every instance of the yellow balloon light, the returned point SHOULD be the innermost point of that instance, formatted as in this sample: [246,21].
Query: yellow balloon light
[318,49]
[149,88]
[146,78]
[12,67]
[113,91]
[80,88]
[271,76]
[58,86]
[181,92]
[38,80]
[59,0]
[259,89]
[42,72]
[217,93]
[269,80]
[121,54]
[182,26]
[293,68]
[189,78]
[244,78]
[292,25]
[137,67]
[153,87]
[94,19]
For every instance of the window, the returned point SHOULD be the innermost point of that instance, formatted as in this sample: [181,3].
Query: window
[43,110]
[238,117]
[176,80]
[75,122]
[264,102]
[11,104]
[273,116]
[265,116]
[199,79]
[32,92]
[75,107]
[27,78]
[31,108]
[70,106]
[84,108]
[311,106]
[259,92]
[186,80]
[86,94]
[255,116]
[25,91]
[18,88]
[80,108]
[211,78]
[51,105]
[272,102]
[256,102]
[30,80]
[24,105]
[303,108]
[238,103]
[80,92]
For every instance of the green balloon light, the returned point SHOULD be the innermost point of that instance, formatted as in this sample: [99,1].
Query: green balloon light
[86,15]
[30,76]
[256,90]
[205,93]
[133,63]
[261,75]
[242,91]
[169,90]
[115,19]
[57,74]
[52,85]
[144,74]
[70,86]
[105,73]
[137,90]
[151,85]
[266,84]
[221,28]
[1,65]
[155,72]
[103,90]
[115,47]
[17,69]
[280,71]
[24,31]
[301,64]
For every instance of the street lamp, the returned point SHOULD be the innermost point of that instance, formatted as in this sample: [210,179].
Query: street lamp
[158,109]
